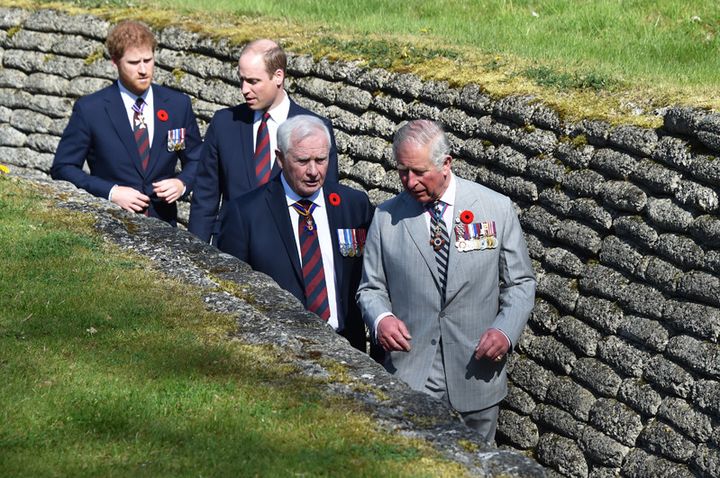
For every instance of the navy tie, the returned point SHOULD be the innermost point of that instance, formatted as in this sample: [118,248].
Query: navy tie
[316,296]
[440,240]
[142,138]
[262,152]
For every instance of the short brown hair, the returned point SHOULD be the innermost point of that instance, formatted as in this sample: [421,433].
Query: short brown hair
[274,57]
[129,33]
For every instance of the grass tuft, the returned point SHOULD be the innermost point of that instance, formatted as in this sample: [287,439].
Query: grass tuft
[561,80]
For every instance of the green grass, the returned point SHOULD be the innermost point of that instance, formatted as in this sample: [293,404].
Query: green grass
[110,369]
[588,58]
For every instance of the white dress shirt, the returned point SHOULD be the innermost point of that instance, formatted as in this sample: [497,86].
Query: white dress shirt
[278,115]
[129,99]
[324,235]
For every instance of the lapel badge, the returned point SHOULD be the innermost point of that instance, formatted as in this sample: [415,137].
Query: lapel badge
[176,139]
[351,242]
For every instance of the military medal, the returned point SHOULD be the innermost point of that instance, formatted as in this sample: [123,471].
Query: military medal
[307,214]
[140,121]
[176,139]
[437,242]
[351,242]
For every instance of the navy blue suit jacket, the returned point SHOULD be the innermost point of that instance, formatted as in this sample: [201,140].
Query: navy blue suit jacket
[256,228]
[227,169]
[99,132]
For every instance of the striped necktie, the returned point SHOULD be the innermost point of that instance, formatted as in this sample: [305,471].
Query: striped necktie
[316,297]
[440,240]
[142,138]
[262,151]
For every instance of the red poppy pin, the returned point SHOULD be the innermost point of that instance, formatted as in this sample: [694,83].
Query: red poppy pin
[466,217]
[334,199]
[162,115]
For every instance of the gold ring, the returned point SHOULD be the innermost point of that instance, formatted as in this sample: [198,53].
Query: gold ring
[498,358]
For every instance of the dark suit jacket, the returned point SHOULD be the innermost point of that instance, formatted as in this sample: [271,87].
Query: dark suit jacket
[256,228]
[227,169]
[99,132]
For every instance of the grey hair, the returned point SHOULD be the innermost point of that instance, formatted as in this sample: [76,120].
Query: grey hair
[297,128]
[423,133]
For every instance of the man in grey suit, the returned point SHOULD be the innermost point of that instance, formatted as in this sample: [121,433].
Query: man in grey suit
[447,282]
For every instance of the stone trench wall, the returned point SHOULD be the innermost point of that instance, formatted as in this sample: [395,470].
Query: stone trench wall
[618,371]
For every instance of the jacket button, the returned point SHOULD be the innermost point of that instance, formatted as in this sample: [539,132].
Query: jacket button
[433,341]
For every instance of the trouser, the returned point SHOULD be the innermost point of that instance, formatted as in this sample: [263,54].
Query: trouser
[482,421]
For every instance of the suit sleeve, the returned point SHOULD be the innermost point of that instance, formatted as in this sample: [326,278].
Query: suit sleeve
[372,295]
[190,156]
[233,237]
[517,280]
[72,152]
[206,191]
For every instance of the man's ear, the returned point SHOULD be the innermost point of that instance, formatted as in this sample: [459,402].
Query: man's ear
[279,77]
[279,158]
[447,162]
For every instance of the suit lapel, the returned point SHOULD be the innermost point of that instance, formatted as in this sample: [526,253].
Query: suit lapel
[115,109]
[335,219]
[277,205]
[161,102]
[247,141]
[419,232]
[463,201]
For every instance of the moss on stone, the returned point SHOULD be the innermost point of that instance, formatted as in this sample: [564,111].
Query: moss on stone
[96,55]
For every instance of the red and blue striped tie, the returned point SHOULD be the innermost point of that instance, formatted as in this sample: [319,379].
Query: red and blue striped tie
[316,297]
[142,138]
[262,152]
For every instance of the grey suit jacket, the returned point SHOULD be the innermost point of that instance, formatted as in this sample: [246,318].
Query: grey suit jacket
[485,288]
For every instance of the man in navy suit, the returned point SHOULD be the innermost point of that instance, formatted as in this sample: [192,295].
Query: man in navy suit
[232,160]
[132,134]
[304,232]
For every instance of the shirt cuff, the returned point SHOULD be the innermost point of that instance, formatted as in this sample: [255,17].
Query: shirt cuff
[377,322]
[510,345]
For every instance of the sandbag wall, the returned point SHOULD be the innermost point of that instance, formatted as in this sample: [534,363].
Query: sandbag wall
[618,372]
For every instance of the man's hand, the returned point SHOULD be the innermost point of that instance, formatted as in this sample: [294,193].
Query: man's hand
[393,335]
[130,199]
[169,190]
[493,345]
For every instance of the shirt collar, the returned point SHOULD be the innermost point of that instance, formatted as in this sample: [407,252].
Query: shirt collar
[292,197]
[147,95]
[448,197]
[278,113]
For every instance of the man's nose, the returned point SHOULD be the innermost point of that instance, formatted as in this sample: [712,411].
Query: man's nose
[411,180]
